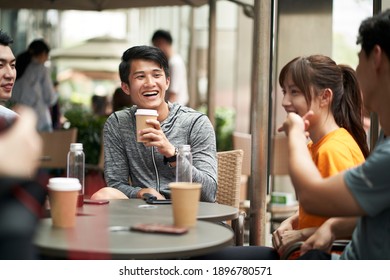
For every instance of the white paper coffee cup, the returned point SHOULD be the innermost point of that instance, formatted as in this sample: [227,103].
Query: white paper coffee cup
[63,193]
[141,116]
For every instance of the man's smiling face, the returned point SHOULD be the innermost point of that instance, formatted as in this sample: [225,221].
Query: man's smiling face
[147,84]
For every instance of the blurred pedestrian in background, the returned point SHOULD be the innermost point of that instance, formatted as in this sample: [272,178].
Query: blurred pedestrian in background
[178,88]
[120,100]
[34,86]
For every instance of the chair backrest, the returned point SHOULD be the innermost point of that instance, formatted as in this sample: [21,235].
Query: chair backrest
[243,141]
[56,147]
[279,163]
[229,177]
[280,156]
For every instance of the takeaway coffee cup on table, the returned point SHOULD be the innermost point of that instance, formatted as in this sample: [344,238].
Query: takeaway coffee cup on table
[63,193]
[141,116]
[185,203]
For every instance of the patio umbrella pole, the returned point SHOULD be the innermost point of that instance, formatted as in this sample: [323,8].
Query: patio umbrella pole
[260,109]
[211,62]
[374,125]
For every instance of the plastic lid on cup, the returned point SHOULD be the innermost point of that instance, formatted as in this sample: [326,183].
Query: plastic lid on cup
[146,112]
[64,184]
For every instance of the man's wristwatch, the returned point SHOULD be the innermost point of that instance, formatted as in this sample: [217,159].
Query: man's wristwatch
[172,158]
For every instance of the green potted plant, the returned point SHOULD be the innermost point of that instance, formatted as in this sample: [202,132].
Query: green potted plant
[89,131]
[224,127]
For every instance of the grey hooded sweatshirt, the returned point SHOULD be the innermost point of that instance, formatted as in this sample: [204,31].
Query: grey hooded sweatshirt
[130,166]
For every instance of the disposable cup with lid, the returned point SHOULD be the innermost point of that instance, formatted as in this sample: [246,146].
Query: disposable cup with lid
[63,193]
[146,112]
[64,184]
[141,116]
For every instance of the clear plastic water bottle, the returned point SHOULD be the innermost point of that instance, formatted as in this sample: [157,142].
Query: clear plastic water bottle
[76,168]
[184,164]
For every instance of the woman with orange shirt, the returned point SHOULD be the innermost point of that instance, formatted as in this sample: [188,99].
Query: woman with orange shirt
[337,137]
[337,142]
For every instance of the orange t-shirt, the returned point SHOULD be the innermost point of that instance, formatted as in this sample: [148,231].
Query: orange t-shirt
[335,152]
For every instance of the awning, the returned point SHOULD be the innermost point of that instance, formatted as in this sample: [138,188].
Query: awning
[94,5]
[104,47]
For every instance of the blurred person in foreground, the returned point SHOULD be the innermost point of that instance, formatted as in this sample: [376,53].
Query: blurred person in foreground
[364,190]
[132,169]
[34,86]
[178,88]
[21,199]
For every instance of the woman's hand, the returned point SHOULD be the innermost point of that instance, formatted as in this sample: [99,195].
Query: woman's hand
[286,225]
[293,120]
[290,237]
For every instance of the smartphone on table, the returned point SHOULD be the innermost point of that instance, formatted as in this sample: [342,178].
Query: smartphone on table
[158,228]
[96,201]
[151,199]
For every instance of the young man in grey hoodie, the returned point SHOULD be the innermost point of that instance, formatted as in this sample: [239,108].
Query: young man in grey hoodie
[132,168]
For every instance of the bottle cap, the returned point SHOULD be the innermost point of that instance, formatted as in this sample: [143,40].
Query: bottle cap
[76,147]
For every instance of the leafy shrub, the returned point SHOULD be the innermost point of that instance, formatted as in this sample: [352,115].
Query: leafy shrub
[224,127]
[89,131]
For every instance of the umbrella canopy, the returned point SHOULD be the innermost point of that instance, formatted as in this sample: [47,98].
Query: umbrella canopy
[96,54]
[94,5]
[104,47]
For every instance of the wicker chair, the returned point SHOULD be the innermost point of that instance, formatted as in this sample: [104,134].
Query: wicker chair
[228,192]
